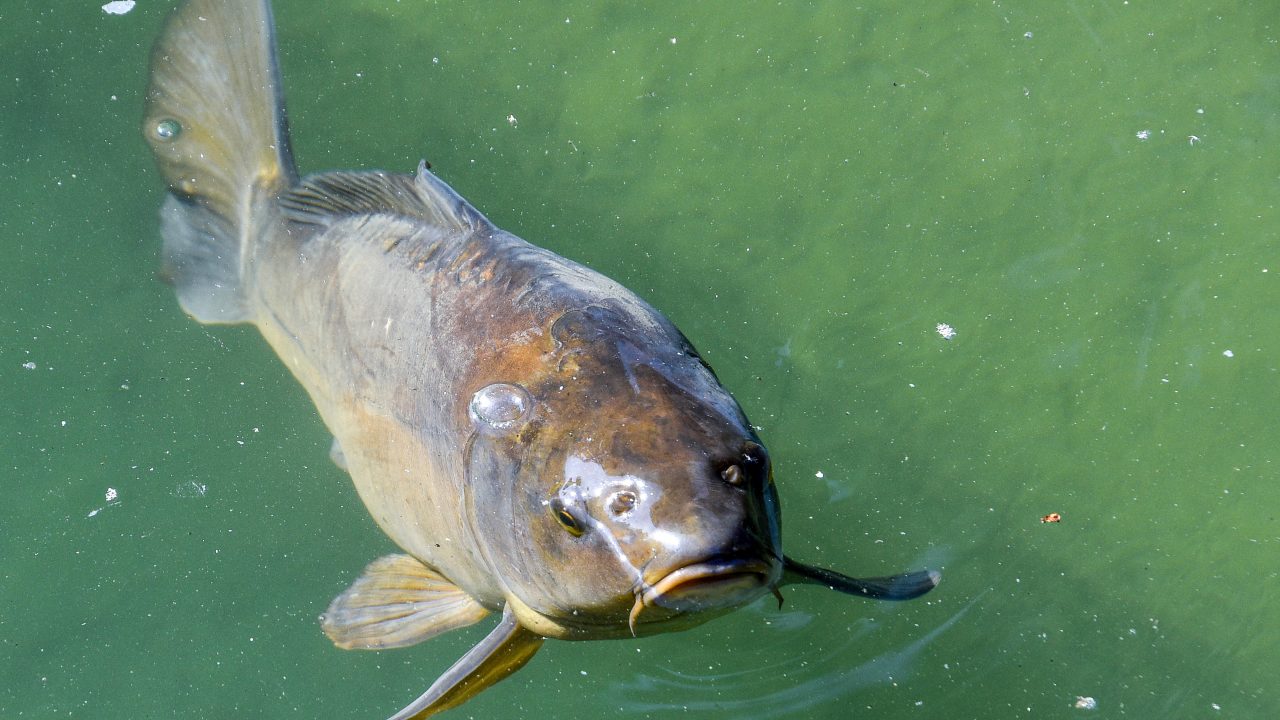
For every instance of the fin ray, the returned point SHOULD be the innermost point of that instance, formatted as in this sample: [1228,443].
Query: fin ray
[324,198]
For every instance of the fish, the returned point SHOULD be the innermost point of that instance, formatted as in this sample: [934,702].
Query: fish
[539,442]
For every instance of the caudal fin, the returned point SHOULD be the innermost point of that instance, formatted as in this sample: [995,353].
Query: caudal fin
[215,121]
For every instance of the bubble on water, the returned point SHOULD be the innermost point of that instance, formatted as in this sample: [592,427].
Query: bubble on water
[500,406]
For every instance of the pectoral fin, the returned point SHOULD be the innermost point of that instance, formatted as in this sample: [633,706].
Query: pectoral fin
[397,601]
[894,587]
[501,653]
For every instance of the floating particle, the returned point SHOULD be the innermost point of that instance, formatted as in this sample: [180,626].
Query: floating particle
[112,495]
[818,474]
[1228,353]
[118,7]
[511,120]
[29,365]
[1085,703]
[1144,134]
[191,489]
[1051,517]
[946,331]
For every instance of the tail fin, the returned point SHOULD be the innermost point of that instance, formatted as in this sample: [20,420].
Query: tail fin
[215,121]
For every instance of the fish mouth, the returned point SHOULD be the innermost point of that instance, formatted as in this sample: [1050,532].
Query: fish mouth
[712,585]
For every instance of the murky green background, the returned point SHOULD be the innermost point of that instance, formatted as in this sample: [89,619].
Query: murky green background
[1085,191]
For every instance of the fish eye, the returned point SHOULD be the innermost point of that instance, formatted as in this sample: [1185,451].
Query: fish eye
[566,519]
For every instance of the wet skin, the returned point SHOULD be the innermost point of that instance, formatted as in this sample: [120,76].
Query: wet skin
[538,440]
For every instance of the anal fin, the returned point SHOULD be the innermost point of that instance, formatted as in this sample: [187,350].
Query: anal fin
[397,601]
[503,651]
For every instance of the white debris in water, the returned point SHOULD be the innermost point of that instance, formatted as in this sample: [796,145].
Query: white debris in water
[191,489]
[946,331]
[1144,134]
[29,365]
[818,474]
[1228,353]
[1085,703]
[113,498]
[118,7]
[512,121]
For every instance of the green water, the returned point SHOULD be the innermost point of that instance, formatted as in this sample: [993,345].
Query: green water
[807,189]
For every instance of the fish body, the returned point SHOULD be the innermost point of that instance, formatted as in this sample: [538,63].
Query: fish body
[538,440]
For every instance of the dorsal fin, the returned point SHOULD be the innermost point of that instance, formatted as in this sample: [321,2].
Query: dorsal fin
[327,197]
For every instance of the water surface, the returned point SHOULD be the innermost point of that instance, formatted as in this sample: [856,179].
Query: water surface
[1084,192]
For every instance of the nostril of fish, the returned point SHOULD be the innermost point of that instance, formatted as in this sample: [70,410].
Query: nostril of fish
[622,502]
[732,475]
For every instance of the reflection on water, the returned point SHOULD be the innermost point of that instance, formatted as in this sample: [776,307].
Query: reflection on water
[835,677]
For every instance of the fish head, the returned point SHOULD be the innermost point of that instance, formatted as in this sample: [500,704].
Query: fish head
[631,496]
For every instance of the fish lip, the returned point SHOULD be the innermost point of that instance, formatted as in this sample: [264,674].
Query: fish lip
[715,578]
[706,573]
